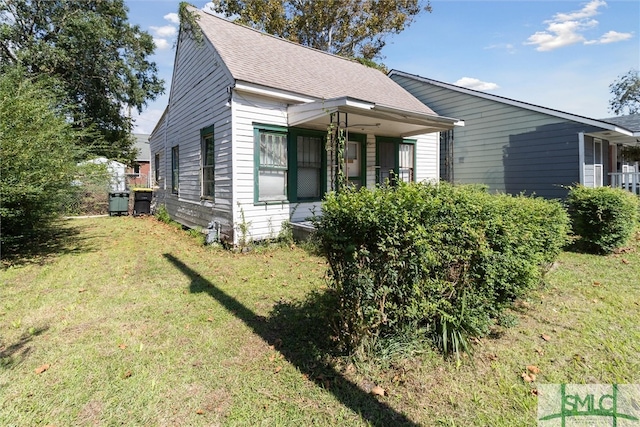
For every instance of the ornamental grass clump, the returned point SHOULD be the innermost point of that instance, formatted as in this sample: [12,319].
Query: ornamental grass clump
[437,259]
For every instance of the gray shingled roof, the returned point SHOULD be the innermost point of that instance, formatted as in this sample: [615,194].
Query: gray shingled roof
[630,122]
[262,59]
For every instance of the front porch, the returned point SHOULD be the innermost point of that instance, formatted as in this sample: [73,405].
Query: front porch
[629,181]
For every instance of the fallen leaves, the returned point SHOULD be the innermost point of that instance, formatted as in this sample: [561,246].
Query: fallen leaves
[122,346]
[527,377]
[378,391]
[42,368]
[530,374]
[199,412]
[126,374]
[545,337]
[533,369]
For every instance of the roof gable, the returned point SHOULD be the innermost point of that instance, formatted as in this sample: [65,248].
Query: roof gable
[258,58]
[604,124]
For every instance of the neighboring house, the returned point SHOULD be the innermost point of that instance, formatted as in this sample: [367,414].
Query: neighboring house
[515,147]
[244,141]
[116,171]
[139,175]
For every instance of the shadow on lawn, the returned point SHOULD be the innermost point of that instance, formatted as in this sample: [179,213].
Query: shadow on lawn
[13,354]
[301,334]
[38,246]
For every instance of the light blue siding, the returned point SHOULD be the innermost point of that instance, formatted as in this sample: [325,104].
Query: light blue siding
[509,148]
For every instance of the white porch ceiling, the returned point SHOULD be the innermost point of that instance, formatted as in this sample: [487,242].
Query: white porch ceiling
[367,117]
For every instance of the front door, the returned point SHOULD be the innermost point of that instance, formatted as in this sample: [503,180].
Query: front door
[597,162]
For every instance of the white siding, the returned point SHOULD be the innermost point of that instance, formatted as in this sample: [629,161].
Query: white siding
[198,96]
[507,147]
[427,157]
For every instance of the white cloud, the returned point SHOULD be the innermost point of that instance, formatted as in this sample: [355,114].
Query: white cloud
[589,10]
[172,17]
[566,29]
[510,48]
[476,84]
[146,122]
[164,31]
[161,44]
[614,36]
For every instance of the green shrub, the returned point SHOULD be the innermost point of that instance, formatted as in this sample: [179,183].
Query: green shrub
[441,257]
[39,153]
[162,214]
[604,218]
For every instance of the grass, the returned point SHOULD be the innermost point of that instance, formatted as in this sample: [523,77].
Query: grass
[137,324]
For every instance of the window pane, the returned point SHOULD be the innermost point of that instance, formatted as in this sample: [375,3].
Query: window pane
[273,150]
[272,185]
[309,166]
[208,151]
[207,166]
[308,183]
[157,167]
[174,169]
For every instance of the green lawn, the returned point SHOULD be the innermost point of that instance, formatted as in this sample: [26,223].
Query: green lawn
[128,321]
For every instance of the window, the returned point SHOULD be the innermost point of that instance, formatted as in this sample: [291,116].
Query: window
[207,162]
[156,167]
[271,164]
[175,163]
[136,169]
[290,164]
[309,166]
[396,160]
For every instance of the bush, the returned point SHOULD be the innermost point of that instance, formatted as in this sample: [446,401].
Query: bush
[604,218]
[444,258]
[39,154]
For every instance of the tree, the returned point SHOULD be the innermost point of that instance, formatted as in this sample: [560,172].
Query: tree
[98,58]
[626,93]
[39,152]
[350,28]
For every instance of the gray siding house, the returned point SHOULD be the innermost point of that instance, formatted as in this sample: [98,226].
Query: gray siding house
[515,147]
[245,141]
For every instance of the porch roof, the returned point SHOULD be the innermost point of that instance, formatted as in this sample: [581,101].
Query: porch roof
[368,117]
[626,131]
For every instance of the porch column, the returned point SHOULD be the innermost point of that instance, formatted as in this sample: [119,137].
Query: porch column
[581,156]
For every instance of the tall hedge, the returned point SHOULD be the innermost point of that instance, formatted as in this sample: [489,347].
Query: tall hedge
[39,154]
[444,258]
[603,218]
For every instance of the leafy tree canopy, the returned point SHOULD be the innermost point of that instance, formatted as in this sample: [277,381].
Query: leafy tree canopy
[98,57]
[626,93]
[350,28]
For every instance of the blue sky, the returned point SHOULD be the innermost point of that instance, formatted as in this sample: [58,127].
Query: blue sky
[559,54]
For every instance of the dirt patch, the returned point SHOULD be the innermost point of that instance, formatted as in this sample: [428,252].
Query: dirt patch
[91,413]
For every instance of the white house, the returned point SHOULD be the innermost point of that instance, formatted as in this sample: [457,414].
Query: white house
[245,140]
